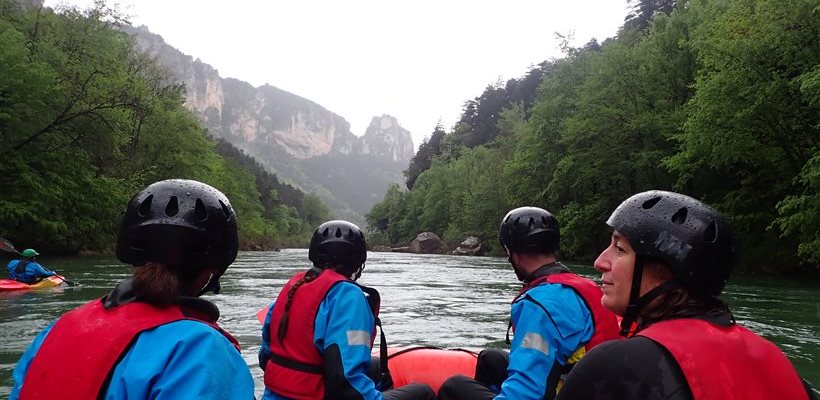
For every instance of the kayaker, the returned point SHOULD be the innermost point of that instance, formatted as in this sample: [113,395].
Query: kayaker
[556,318]
[27,270]
[669,259]
[152,336]
[317,336]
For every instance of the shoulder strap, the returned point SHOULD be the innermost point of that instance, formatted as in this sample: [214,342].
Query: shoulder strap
[21,266]
[374,300]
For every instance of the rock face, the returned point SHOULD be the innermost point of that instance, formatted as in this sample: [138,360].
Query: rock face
[382,249]
[299,140]
[471,246]
[428,243]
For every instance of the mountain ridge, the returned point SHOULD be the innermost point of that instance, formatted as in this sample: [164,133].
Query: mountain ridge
[288,134]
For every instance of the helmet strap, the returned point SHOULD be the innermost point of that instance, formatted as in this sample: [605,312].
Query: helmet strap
[357,273]
[212,285]
[518,273]
[638,302]
[632,308]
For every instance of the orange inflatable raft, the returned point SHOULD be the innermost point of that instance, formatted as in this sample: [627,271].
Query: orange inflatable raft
[430,365]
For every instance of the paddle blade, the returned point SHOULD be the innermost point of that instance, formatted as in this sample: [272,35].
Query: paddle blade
[68,282]
[261,314]
[5,245]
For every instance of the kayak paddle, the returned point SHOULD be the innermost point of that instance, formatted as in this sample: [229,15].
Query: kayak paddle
[5,245]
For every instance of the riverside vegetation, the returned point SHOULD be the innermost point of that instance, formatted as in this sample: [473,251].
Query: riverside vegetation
[86,121]
[719,99]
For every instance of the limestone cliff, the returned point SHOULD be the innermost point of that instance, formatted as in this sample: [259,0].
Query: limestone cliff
[301,141]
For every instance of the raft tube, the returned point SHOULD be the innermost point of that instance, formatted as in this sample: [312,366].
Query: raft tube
[7,285]
[430,365]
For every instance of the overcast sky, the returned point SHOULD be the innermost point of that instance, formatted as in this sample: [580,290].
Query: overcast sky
[418,60]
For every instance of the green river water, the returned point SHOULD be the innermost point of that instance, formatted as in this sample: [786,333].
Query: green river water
[445,301]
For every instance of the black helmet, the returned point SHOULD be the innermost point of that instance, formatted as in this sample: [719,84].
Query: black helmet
[686,234]
[180,222]
[529,230]
[338,242]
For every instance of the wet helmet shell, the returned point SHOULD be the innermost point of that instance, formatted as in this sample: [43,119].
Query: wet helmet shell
[179,222]
[692,238]
[529,230]
[338,242]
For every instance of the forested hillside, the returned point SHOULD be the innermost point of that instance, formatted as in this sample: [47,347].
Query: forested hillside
[86,121]
[718,99]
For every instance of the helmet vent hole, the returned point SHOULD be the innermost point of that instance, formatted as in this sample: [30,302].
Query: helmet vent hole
[145,206]
[173,207]
[651,202]
[339,232]
[680,216]
[200,212]
[225,210]
[711,233]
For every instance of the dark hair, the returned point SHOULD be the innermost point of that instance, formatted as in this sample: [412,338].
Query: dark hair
[309,276]
[159,284]
[677,302]
[156,285]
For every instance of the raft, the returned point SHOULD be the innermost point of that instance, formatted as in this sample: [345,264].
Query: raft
[7,285]
[430,365]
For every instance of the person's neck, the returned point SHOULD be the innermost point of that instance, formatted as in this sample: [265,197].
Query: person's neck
[530,262]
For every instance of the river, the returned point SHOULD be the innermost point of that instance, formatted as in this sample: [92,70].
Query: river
[446,301]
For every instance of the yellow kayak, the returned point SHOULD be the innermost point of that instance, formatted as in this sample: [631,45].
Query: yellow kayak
[50,282]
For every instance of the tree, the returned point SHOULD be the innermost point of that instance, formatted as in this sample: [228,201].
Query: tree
[424,156]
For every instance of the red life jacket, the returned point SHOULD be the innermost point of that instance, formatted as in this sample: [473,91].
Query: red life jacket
[85,344]
[604,321]
[727,362]
[295,368]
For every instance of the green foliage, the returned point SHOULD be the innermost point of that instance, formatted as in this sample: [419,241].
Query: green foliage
[716,99]
[752,125]
[800,214]
[423,158]
[86,122]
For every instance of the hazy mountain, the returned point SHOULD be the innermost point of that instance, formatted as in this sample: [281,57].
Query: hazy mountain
[299,140]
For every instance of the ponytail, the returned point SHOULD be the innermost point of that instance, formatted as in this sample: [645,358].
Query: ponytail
[309,276]
[156,284]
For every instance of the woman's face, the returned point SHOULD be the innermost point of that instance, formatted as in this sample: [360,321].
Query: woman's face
[616,264]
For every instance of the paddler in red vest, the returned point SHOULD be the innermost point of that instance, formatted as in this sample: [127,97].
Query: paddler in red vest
[317,336]
[669,258]
[556,318]
[152,337]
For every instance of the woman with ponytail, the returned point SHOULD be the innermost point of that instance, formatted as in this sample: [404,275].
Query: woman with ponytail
[152,337]
[317,336]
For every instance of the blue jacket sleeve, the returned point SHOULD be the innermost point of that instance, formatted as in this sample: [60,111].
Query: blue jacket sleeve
[38,271]
[551,322]
[344,330]
[264,349]
[183,359]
